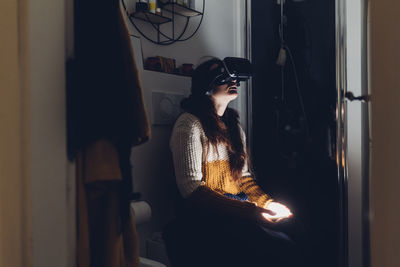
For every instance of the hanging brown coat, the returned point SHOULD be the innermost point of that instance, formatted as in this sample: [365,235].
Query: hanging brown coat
[106,117]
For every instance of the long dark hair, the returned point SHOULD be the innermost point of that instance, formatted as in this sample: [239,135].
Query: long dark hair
[218,129]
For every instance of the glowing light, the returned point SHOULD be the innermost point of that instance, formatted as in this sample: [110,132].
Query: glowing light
[281,211]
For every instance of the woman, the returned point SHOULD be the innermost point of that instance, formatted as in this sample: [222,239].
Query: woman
[228,220]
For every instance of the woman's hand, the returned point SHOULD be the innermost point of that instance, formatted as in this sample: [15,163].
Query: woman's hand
[279,212]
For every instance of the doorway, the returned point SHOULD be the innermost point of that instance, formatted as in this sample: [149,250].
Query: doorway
[294,117]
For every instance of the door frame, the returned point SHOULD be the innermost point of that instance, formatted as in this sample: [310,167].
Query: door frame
[15,190]
[342,132]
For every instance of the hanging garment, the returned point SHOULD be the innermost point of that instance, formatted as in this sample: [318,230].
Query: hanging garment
[104,238]
[106,116]
[104,94]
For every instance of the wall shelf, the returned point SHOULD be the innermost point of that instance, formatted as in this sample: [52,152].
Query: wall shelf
[174,10]
[181,10]
[170,73]
[150,17]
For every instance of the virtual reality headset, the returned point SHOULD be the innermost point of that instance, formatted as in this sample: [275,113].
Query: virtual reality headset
[233,68]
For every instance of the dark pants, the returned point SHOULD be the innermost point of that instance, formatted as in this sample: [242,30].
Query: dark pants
[202,238]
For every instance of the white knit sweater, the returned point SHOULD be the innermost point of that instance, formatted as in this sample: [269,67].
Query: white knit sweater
[193,168]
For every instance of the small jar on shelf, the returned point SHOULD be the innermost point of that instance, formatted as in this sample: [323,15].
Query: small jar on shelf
[152,6]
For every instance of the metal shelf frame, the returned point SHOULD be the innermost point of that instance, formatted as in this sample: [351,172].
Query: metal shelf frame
[156,20]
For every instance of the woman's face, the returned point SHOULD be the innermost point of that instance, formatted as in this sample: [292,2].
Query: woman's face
[225,92]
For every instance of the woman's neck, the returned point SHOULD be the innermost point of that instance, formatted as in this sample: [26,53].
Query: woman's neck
[220,107]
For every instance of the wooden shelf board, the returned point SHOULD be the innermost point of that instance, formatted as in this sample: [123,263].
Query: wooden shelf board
[181,10]
[150,17]
[178,74]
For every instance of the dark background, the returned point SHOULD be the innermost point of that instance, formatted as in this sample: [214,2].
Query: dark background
[293,151]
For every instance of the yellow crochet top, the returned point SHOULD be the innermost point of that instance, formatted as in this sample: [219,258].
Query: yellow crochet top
[199,165]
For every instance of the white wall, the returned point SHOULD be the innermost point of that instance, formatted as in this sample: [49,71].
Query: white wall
[35,183]
[48,133]
[354,132]
[221,34]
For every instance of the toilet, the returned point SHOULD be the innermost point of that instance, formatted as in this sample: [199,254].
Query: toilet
[156,250]
[156,253]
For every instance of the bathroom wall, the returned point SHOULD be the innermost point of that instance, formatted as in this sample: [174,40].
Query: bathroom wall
[34,178]
[221,34]
[48,158]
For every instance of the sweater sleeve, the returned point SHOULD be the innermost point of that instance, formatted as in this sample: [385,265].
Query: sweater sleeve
[206,198]
[248,184]
[187,153]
